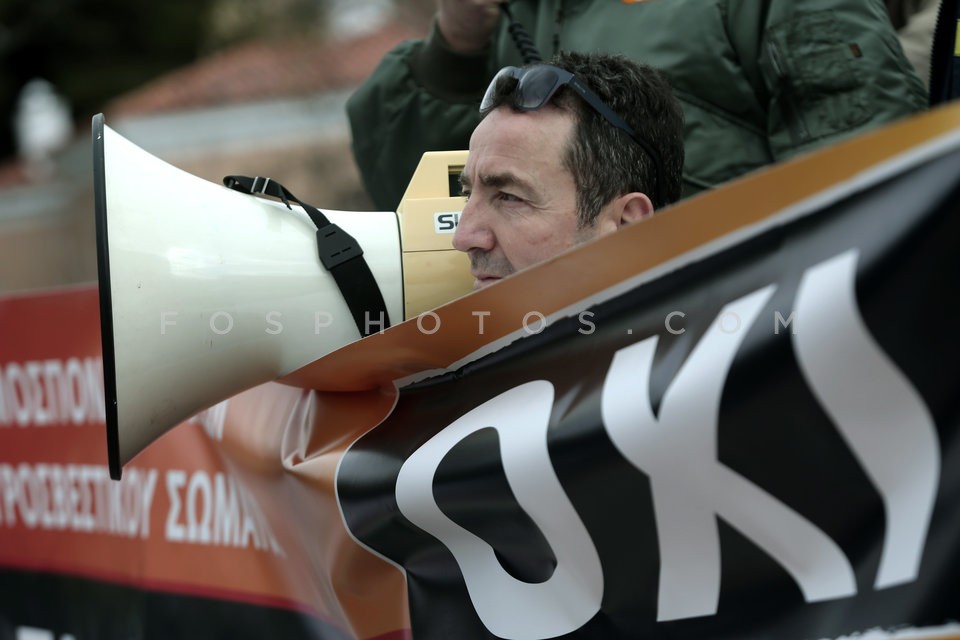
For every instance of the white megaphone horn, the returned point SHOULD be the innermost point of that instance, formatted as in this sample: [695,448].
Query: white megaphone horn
[206,291]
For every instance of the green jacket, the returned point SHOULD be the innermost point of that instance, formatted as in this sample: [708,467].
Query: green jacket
[759,80]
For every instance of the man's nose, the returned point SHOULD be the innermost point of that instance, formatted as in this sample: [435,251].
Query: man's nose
[472,233]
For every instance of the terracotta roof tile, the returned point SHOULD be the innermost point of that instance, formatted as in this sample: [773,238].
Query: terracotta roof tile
[265,70]
[12,173]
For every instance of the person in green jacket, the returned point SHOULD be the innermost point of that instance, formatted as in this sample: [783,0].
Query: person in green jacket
[759,80]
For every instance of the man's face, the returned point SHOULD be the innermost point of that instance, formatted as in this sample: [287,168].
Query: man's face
[522,201]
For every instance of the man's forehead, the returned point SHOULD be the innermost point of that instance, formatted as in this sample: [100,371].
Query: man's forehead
[507,143]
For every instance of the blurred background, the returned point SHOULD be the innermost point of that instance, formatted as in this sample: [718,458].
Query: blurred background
[214,87]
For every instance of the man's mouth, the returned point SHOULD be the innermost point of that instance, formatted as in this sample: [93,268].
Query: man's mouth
[487,268]
[484,280]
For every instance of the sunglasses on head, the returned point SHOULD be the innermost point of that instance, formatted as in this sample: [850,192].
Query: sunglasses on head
[538,83]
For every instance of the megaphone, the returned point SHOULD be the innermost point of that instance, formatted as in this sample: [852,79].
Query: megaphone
[206,292]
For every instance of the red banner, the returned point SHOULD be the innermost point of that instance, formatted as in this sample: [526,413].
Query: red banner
[194,515]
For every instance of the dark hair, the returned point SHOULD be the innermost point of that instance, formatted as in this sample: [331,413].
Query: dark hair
[604,161]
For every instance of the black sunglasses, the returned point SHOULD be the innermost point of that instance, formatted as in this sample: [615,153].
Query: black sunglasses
[536,84]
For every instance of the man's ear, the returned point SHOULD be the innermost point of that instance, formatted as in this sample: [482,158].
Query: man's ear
[633,207]
[626,209]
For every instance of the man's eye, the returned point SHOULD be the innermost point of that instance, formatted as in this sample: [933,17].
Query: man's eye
[509,197]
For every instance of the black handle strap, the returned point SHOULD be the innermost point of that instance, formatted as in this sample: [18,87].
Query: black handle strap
[339,253]
[945,54]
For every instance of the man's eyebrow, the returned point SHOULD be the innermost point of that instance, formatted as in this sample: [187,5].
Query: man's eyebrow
[496,180]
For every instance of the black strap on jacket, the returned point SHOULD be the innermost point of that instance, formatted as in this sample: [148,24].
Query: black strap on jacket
[339,252]
[945,56]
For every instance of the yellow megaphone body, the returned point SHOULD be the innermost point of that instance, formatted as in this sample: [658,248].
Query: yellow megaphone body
[206,291]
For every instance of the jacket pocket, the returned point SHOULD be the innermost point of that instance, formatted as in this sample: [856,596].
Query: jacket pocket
[809,66]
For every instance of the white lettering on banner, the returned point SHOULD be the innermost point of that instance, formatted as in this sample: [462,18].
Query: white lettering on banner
[79,498]
[874,406]
[687,497]
[877,410]
[52,392]
[175,531]
[219,512]
[508,607]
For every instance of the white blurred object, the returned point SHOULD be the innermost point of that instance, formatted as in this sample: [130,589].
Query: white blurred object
[349,18]
[916,36]
[42,126]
